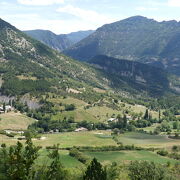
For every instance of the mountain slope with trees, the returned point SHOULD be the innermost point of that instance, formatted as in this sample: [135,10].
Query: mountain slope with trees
[58,42]
[135,38]
[28,66]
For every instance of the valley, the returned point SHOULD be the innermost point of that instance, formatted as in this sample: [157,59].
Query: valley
[60,115]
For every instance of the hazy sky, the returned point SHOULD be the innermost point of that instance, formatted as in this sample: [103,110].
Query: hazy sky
[64,16]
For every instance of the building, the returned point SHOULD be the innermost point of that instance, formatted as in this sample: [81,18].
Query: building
[81,129]
[112,120]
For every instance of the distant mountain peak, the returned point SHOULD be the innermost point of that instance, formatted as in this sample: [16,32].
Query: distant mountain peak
[58,42]
[136,38]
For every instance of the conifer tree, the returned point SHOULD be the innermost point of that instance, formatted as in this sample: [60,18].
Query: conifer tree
[95,171]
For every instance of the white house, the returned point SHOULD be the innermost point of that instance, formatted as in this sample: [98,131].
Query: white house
[81,129]
[112,120]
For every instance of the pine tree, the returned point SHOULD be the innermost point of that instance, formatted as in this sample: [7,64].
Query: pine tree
[146,115]
[19,160]
[95,171]
[159,115]
[56,170]
[4,107]
[124,121]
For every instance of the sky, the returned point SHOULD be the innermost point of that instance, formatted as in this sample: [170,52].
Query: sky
[65,16]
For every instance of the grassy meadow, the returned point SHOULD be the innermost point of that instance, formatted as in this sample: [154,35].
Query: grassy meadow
[147,140]
[127,156]
[15,121]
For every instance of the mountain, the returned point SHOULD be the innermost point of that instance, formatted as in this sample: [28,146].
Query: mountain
[29,66]
[75,37]
[49,38]
[58,42]
[136,38]
[140,76]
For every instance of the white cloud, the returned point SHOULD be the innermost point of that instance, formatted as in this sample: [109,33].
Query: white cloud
[34,21]
[146,8]
[86,15]
[40,2]
[174,3]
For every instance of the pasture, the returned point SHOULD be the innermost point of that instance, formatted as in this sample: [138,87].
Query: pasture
[15,121]
[147,140]
[127,156]
[70,139]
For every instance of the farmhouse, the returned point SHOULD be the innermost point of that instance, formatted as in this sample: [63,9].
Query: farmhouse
[1,110]
[129,118]
[12,131]
[7,108]
[112,120]
[81,129]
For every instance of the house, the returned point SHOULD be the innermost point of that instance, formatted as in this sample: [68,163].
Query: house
[12,131]
[129,117]
[1,110]
[112,120]
[8,108]
[81,129]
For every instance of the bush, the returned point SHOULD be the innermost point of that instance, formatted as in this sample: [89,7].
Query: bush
[144,170]
[162,152]
[69,107]
[79,155]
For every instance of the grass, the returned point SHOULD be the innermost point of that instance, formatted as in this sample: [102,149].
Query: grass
[78,114]
[126,156]
[146,140]
[71,139]
[100,138]
[102,113]
[150,128]
[92,114]
[140,108]
[15,121]
[66,160]
[69,100]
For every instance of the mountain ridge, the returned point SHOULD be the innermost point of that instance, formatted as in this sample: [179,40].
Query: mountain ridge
[58,42]
[135,38]
[29,66]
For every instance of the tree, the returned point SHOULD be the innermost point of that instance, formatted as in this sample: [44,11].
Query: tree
[146,115]
[124,121]
[176,125]
[175,148]
[145,170]
[159,115]
[4,107]
[95,171]
[56,170]
[113,172]
[19,160]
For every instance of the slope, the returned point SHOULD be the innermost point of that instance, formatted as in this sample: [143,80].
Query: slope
[136,38]
[58,42]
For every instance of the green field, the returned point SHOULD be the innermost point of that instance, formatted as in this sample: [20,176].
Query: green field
[99,138]
[69,139]
[15,121]
[66,160]
[91,138]
[106,157]
[126,156]
[146,140]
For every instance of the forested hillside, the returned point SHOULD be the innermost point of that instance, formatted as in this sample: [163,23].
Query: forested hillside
[135,38]
[30,66]
[59,42]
